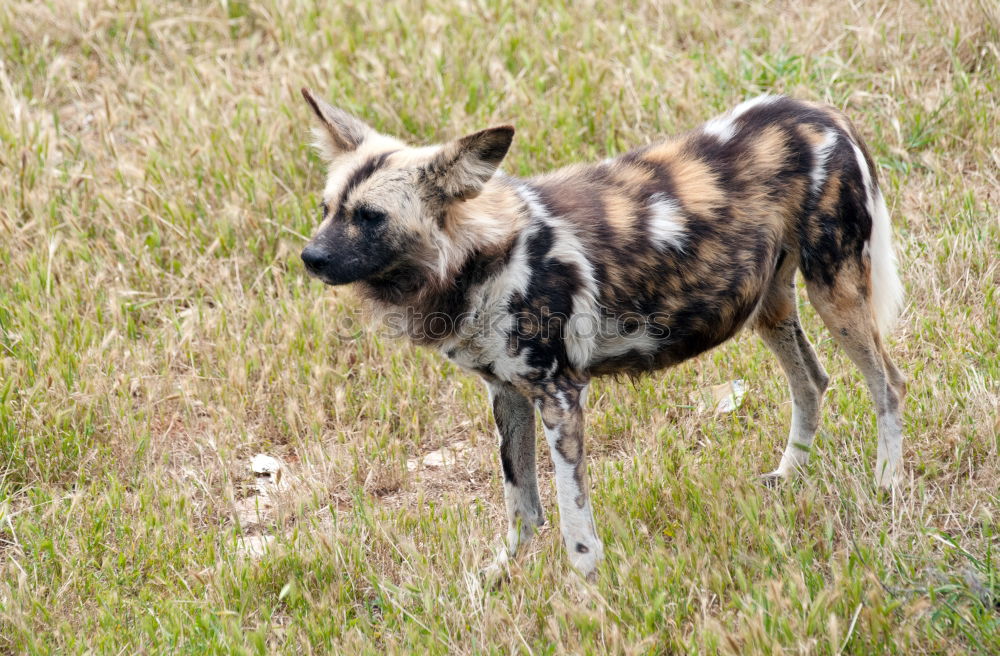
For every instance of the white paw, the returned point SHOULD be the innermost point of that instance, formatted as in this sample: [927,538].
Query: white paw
[586,557]
[498,570]
[773,479]
[888,475]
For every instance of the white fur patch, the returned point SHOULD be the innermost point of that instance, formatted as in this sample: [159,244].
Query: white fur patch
[724,127]
[721,127]
[482,340]
[666,226]
[567,247]
[865,173]
[821,154]
[800,440]
[615,342]
[576,524]
[887,290]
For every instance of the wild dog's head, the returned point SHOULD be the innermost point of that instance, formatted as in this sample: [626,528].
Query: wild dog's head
[386,205]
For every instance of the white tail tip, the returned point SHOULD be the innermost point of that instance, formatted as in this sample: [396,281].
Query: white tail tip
[887,289]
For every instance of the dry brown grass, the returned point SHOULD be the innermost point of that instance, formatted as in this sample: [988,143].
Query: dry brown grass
[157,329]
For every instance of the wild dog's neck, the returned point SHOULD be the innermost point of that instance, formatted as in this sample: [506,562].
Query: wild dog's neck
[485,223]
[476,239]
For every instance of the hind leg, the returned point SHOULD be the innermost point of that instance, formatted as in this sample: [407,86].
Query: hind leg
[779,327]
[846,310]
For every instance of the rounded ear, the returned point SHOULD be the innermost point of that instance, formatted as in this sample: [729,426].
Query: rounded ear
[338,132]
[463,166]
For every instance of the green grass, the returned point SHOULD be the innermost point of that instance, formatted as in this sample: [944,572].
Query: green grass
[157,330]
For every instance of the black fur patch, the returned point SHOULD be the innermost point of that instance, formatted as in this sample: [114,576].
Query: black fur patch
[362,173]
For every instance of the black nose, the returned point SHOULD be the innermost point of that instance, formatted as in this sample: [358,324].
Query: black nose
[315,258]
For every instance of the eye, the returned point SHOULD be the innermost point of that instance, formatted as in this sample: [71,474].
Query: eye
[325,208]
[366,214]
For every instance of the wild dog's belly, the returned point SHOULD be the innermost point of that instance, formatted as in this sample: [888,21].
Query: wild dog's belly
[643,318]
[638,353]
[686,323]
[625,341]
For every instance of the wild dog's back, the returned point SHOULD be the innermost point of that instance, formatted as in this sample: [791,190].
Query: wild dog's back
[690,231]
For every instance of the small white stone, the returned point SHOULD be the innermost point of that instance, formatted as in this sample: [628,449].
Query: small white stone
[729,396]
[254,546]
[254,511]
[264,464]
[446,456]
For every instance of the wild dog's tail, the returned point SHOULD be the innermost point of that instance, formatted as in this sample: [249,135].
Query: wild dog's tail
[887,290]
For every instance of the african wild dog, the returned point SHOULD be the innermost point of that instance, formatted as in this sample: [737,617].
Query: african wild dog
[525,281]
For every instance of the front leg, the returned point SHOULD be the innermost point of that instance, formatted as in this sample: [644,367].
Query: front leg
[561,408]
[515,420]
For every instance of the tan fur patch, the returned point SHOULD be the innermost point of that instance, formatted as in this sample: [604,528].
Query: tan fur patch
[827,204]
[768,151]
[571,442]
[779,300]
[413,157]
[493,202]
[631,177]
[620,212]
[792,199]
[475,221]
[696,185]
[666,151]
[813,136]
[567,174]
[843,299]
[838,119]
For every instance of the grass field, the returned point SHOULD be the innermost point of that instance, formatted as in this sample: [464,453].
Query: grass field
[157,330]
